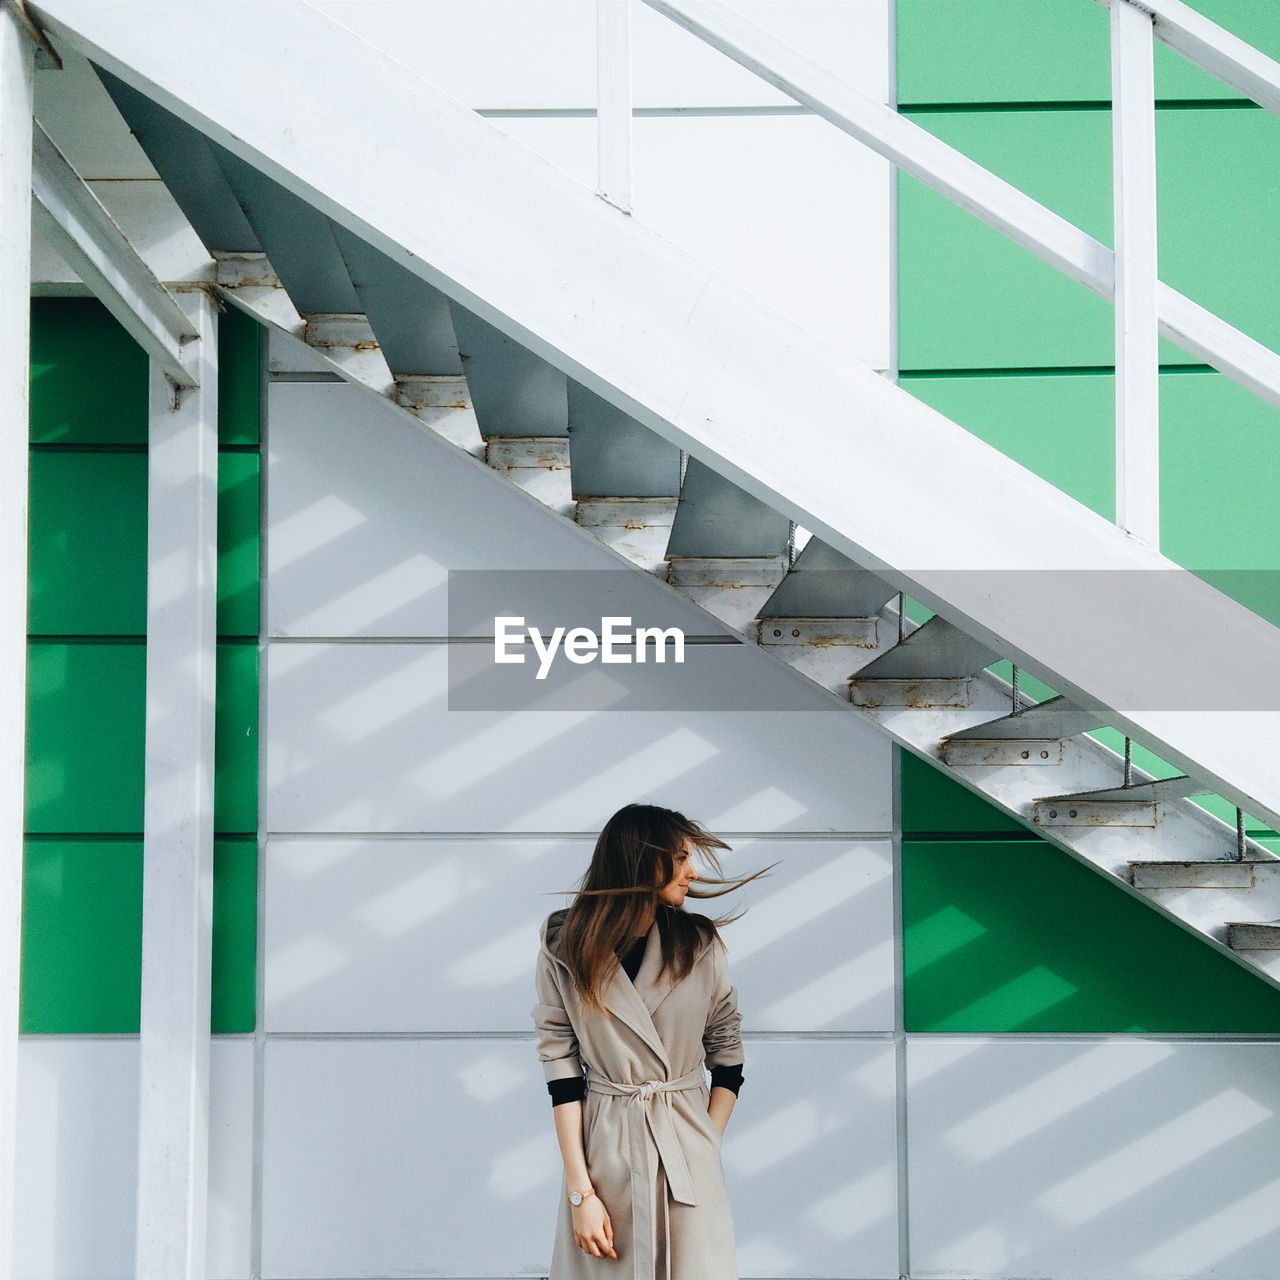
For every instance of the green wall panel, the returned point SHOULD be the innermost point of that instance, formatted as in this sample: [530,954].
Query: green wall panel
[239,380]
[88,543]
[233,994]
[1220,214]
[236,740]
[970,298]
[1047,50]
[238,543]
[933,803]
[85,723]
[1002,51]
[1017,936]
[1219,477]
[82,936]
[86,701]
[1220,467]
[88,376]
[1062,427]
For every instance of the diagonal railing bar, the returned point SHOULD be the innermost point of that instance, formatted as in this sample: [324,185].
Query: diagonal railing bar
[966,183]
[1233,61]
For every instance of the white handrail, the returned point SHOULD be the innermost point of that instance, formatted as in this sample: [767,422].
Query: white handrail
[1215,50]
[917,152]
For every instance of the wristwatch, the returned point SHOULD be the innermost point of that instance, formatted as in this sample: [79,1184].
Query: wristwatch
[577,1197]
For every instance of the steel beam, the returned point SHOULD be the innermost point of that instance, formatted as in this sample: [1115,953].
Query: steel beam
[73,220]
[1133,160]
[16,81]
[177,877]
[698,359]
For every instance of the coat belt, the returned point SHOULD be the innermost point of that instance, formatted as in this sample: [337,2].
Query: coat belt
[649,1107]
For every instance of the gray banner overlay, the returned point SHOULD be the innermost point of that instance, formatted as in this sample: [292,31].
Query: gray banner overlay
[600,640]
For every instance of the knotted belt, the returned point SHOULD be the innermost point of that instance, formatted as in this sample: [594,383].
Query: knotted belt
[648,1107]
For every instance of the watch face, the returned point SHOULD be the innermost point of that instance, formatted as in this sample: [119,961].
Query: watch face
[575,1197]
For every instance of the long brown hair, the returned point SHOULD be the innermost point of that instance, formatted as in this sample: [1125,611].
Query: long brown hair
[634,858]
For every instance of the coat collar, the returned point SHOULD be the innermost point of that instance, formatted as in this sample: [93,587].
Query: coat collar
[633,1003]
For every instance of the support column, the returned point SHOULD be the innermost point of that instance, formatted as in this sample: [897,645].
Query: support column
[177,878]
[17,60]
[1133,153]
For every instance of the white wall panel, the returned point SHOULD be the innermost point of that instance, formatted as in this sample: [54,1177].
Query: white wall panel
[1083,1160]
[441,935]
[78,1154]
[290,355]
[673,68]
[436,1157]
[788,206]
[367,513]
[501,54]
[360,739]
[810,1160]
[540,54]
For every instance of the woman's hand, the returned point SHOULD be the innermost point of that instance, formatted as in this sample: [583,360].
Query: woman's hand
[592,1230]
[720,1107]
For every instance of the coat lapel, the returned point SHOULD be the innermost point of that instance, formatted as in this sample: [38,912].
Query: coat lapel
[629,1001]
[634,1003]
[652,988]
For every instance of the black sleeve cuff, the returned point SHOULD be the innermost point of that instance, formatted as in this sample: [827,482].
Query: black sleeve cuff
[727,1078]
[574,1089]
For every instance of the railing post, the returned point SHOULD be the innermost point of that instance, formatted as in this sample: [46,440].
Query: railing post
[613,101]
[1133,150]
[17,58]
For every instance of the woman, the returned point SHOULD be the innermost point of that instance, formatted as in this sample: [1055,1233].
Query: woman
[633,998]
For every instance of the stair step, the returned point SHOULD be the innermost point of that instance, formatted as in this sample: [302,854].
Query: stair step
[717,518]
[1262,935]
[1053,719]
[537,464]
[348,340]
[731,587]
[637,527]
[1193,875]
[824,649]
[443,403]
[1083,813]
[252,278]
[1208,892]
[1153,789]
[941,692]
[935,650]
[823,583]
[1023,752]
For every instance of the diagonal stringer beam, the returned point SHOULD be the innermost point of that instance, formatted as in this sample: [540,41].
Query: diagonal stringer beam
[75,223]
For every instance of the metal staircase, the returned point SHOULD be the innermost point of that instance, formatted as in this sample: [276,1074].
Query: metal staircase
[657,474]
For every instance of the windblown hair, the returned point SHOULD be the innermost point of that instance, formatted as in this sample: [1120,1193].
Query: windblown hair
[634,858]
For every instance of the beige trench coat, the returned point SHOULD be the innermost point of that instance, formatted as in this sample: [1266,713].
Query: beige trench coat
[652,1151]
